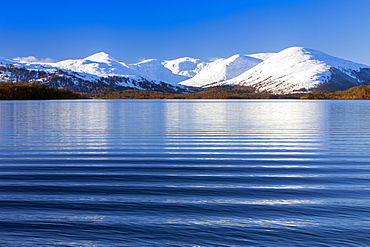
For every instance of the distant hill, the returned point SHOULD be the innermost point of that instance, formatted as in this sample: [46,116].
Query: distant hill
[299,69]
[293,70]
[222,70]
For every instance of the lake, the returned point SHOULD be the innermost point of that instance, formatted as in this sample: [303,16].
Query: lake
[185,173]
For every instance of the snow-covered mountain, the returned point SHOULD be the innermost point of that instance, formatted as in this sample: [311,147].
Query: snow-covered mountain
[185,66]
[295,69]
[169,71]
[101,67]
[153,68]
[94,73]
[221,70]
[300,69]
[100,64]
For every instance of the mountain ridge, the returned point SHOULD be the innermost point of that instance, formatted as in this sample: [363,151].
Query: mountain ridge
[222,69]
[295,69]
[300,69]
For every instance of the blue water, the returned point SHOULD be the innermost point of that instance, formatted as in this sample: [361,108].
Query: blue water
[185,173]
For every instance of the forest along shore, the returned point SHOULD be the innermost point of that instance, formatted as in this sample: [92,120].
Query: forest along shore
[37,91]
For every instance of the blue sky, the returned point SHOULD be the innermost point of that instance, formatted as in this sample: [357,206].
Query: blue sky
[133,30]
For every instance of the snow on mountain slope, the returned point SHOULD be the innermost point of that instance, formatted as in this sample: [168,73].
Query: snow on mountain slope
[20,63]
[295,69]
[222,69]
[262,56]
[291,70]
[156,70]
[100,64]
[185,66]
[169,71]
[91,74]
[4,61]
[6,65]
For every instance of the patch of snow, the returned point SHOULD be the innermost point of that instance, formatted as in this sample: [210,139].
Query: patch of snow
[222,69]
[185,66]
[262,56]
[155,69]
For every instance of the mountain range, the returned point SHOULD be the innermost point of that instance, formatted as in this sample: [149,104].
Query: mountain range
[294,69]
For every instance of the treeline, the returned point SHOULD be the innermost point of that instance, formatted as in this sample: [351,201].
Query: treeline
[36,91]
[33,91]
[355,93]
[209,93]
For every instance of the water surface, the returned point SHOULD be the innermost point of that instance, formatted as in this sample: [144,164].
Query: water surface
[184,173]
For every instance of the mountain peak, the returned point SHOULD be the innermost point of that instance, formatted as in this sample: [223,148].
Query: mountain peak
[222,69]
[299,69]
[100,57]
[304,50]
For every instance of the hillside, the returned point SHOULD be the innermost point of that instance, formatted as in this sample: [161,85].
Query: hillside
[293,70]
[299,69]
[221,70]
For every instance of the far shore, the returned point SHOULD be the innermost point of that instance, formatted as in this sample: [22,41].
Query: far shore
[36,91]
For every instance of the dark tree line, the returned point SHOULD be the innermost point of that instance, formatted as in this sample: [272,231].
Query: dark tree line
[355,93]
[33,91]
[209,93]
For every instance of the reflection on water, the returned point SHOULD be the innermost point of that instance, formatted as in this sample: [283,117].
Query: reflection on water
[184,173]
[242,116]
